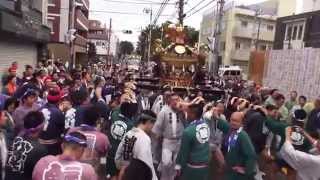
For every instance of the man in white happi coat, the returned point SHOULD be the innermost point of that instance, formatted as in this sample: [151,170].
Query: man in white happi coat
[136,144]
[169,128]
[306,165]
[160,101]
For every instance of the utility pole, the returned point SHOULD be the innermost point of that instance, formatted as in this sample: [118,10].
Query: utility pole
[161,33]
[149,11]
[150,36]
[181,11]
[109,41]
[258,13]
[217,35]
[72,27]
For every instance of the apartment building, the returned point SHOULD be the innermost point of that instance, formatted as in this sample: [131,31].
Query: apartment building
[24,33]
[298,31]
[64,15]
[244,28]
[98,35]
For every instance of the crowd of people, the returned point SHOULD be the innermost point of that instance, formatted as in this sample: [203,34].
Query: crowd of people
[93,122]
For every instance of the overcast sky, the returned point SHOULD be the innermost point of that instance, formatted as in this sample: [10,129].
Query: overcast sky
[139,20]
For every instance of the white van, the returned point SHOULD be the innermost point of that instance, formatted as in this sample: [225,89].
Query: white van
[230,71]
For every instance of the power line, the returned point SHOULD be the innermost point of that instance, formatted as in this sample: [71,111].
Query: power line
[200,8]
[145,1]
[160,10]
[118,12]
[142,3]
[195,6]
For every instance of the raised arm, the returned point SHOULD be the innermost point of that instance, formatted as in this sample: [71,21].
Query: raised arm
[297,159]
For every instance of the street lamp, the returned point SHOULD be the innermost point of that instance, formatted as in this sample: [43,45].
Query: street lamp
[149,11]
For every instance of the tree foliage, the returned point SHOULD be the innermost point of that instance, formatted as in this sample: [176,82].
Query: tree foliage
[126,47]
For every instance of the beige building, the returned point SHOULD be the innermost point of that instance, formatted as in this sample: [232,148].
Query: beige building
[240,28]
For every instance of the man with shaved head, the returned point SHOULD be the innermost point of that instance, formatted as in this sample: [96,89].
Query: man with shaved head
[239,153]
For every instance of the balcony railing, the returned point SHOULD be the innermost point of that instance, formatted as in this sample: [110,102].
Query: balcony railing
[243,32]
[249,33]
[265,35]
[82,21]
[80,41]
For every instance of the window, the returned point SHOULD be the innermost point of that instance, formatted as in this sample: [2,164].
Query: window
[244,23]
[223,26]
[300,32]
[51,2]
[262,26]
[208,30]
[289,33]
[50,25]
[234,73]
[98,43]
[223,46]
[246,45]
[263,47]
[238,45]
[294,35]
[269,27]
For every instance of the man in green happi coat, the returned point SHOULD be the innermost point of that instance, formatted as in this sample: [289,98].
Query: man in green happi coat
[278,128]
[121,122]
[193,157]
[239,153]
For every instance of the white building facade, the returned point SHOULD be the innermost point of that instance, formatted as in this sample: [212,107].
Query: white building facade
[310,5]
[99,36]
